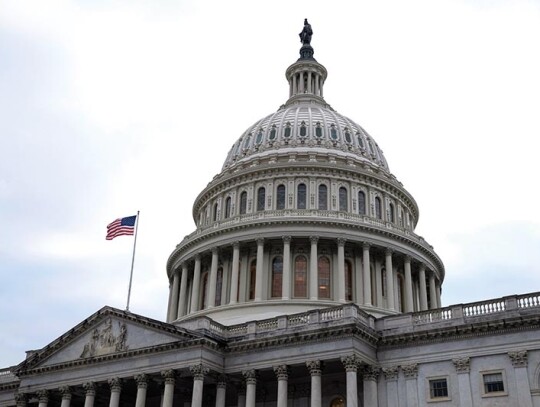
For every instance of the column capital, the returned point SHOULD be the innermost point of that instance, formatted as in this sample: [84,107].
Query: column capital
[221,381]
[366,245]
[390,372]
[282,372]
[370,372]
[236,245]
[66,392]
[350,362]
[422,266]
[43,396]
[260,241]
[410,371]
[518,358]
[314,239]
[169,375]
[197,256]
[21,399]
[341,241]
[214,250]
[389,251]
[198,371]
[142,380]
[462,365]
[89,388]
[315,367]
[115,384]
[286,239]
[250,376]
[407,258]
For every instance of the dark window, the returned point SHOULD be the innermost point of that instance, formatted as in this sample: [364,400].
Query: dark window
[280,197]
[228,207]
[219,286]
[438,388]
[361,203]
[261,196]
[343,199]
[287,133]
[333,133]
[277,276]
[252,279]
[272,135]
[323,197]
[348,138]
[360,140]
[391,210]
[243,203]
[300,277]
[246,142]
[348,281]
[493,383]
[301,197]
[378,209]
[259,137]
[324,277]
[215,213]
[318,132]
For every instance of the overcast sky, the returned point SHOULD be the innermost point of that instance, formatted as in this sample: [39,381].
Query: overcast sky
[109,107]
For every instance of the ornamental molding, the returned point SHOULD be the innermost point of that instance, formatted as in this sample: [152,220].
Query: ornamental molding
[104,340]
[141,380]
[410,371]
[199,371]
[282,372]
[351,362]
[518,358]
[65,391]
[462,365]
[390,372]
[370,372]
[89,388]
[43,396]
[314,367]
[250,376]
[115,384]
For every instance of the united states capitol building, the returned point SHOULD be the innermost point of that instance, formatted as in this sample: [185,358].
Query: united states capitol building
[303,284]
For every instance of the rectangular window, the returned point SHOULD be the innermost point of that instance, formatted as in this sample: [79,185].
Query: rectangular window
[438,388]
[493,382]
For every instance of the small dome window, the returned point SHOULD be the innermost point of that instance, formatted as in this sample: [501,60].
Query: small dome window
[360,140]
[238,147]
[259,137]
[333,133]
[348,138]
[272,135]
[246,142]
[303,129]
[287,131]
[318,130]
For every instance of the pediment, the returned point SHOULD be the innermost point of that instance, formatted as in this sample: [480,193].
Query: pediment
[107,332]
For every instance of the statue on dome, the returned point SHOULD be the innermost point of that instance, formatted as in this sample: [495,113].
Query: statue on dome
[307,32]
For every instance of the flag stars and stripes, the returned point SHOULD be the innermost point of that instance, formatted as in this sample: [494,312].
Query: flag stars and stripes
[121,227]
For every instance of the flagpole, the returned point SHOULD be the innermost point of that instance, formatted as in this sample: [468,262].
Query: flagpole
[132,260]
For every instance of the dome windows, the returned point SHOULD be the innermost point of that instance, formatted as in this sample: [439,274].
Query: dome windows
[300,277]
[391,213]
[348,137]
[360,141]
[246,141]
[378,209]
[228,207]
[243,203]
[303,130]
[272,135]
[361,203]
[301,196]
[323,197]
[277,277]
[287,131]
[318,130]
[259,138]
[343,198]
[280,197]
[261,196]
[333,132]
[323,266]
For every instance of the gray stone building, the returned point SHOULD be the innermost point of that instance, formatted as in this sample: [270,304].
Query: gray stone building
[303,284]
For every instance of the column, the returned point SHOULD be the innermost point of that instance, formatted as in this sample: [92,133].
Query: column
[282,373]
[251,382]
[369,376]
[213,279]
[295,87]
[241,390]
[89,394]
[411,373]
[389,281]
[142,384]
[409,307]
[259,270]
[235,271]
[182,301]
[221,388]
[317,85]
[43,398]
[438,294]
[116,387]
[196,283]
[301,87]
[391,377]
[168,391]
[286,291]
[309,89]
[351,366]
[198,372]
[313,270]
[519,361]
[315,370]
[21,399]
[341,270]
[66,396]
[432,293]
[463,367]
[423,288]
[367,275]
[173,307]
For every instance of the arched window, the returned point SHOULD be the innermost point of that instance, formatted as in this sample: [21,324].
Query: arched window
[391,212]
[361,203]
[243,203]
[343,199]
[228,207]
[378,209]
[301,196]
[348,281]
[333,133]
[252,279]
[323,197]
[280,197]
[277,276]
[219,286]
[204,288]
[324,277]
[261,196]
[272,135]
[303,130]
[215,214]
[300,277]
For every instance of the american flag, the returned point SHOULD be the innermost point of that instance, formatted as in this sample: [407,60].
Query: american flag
[121,226]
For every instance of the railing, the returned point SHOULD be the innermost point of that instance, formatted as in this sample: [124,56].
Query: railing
[298,319]
[267,325]
[331,314]
[424,317]
[6,375]
[528,300]
[484,307]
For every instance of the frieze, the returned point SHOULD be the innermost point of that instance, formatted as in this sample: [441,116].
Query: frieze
[104,341]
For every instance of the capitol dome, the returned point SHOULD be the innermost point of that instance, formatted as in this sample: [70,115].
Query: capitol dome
[304,215]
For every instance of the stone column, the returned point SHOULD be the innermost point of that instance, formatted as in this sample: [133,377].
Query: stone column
[409,307]
[21,399]
[142,384]
[198,372]
[66,396]
[519,361]
[173,307]
[241,390]
[389,281]
[90,394]
[221,388]
[43,398]
[313,270]
[463,367]
[369,375]
[411,372]
[423,288]
[213,279]
[168,391]
[367,275]
[286,289]
[351,366]
[196,284]
[251,386]
[438,294]
[116,387]
[182,300]
[301,87]
[315,370]
[235,272]
[391,376]
[309,89]
[432,291]
[341,270]
[282,373]
[259,270]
